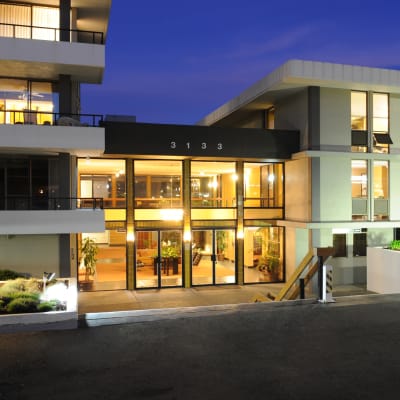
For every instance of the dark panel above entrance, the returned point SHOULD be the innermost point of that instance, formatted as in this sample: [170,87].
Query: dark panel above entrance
[186,140]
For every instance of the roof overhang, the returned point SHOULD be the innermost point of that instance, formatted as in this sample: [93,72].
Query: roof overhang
[295,75]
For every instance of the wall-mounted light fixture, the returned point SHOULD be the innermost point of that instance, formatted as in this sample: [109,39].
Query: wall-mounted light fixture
[130,236]
[187,236]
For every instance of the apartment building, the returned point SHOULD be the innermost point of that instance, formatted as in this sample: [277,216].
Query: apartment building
[341,188]
[305,158]
[47,51]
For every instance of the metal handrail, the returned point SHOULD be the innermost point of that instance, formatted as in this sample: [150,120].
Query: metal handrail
[81,36]
[29,117]
[22,203]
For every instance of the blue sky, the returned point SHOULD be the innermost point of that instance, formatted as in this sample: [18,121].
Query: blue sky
[175,61]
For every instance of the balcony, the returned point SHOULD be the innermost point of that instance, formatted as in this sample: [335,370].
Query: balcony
[27,50]
[43,215]
[44,132]
[51,34]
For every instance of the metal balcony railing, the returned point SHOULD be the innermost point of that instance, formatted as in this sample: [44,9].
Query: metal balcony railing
[28,117]
[23,203]
[52,34]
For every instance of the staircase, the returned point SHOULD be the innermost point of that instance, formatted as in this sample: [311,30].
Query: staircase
[306,270]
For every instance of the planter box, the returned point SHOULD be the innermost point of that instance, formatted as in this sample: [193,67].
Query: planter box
[51,320]
[383,270]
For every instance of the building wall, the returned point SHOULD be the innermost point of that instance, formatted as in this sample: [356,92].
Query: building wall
[33,254]
[292,113]
[335,123]
[297,190]
[331,189]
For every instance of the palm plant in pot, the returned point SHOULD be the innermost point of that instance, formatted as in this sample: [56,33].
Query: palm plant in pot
[89,252]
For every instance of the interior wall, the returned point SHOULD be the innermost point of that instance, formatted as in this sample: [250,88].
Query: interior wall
[32,254]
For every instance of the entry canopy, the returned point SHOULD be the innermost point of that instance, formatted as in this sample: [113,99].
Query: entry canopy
[129,138]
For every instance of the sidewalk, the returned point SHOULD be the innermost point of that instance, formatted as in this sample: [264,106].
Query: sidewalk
[123,300]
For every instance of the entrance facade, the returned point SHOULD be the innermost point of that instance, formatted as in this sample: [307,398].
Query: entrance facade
[158,259]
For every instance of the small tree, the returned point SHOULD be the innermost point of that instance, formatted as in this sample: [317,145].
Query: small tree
[89,251]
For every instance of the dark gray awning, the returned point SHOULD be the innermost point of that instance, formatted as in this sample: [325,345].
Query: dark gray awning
[383,138]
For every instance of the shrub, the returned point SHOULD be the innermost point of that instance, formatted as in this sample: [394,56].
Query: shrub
[7,274]
[20,285]
[22,305]
[46,306]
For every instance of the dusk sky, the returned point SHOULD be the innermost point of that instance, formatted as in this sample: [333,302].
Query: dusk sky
[176,61]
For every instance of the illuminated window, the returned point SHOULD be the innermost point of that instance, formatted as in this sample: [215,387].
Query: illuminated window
[359,189]
[380,123]
[381,189]
[213,184]
[104,179]
[263,254]
[263,185]
[29,22]
[359,111]
[158,184]
[359,133]
[27,102]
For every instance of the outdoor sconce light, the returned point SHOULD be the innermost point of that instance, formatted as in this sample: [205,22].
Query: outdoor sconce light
[130,237]
[187,236]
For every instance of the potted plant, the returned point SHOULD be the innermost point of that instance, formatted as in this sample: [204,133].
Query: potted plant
[269,265]
[89,252]
[172,253]
[221,245]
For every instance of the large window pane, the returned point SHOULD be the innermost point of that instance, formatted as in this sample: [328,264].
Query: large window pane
[213,184]
[158,184]
[359,188]
[45,20]
[381,189]
[263,249]
[359,111]
[263,185]
[380,122]
[103,179]
[12,15]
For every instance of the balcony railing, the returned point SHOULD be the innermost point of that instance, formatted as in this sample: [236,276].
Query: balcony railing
[21,203]
[52,34]
[28,117]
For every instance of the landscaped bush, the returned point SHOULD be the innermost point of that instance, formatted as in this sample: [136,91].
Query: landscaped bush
[7,274]
[22,305]
[23,296]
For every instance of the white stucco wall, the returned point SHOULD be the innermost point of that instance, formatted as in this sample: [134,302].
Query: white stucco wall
[331,189]
[33,254]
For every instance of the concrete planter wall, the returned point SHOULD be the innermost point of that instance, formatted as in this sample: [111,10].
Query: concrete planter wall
[47,320]
[383,270]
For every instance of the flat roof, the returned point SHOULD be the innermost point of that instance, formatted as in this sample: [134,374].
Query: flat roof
[297,74]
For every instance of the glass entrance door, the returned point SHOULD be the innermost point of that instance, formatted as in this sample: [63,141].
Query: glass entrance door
[213,257]
[158,259]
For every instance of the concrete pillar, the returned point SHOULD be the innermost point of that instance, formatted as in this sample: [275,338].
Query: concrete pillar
[187,254]
[130,224]
[65,20]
